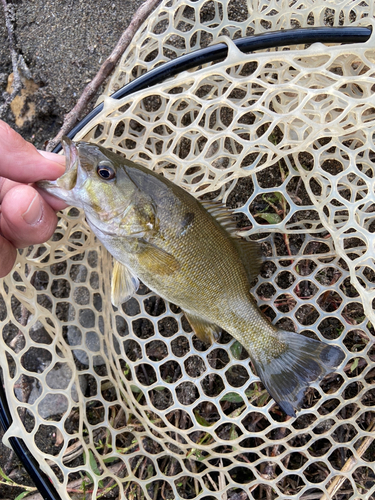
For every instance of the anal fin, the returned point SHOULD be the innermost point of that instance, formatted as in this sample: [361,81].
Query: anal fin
[207,332]
[124,284]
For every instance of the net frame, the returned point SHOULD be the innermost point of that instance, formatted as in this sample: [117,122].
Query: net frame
[212,457]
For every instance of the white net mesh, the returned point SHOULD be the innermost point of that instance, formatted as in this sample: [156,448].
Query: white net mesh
[130,403]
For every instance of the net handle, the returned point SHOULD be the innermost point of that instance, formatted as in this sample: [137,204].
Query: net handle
[40,479]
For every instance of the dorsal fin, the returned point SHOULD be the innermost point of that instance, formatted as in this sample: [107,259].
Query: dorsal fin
[222,214]
[250,254]
[249,251]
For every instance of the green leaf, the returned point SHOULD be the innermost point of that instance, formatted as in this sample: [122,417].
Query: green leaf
[199,456]
[22,495]
[270,218]
[236,349]
[354,365]
[5,477]
[263,399]
[355,346]
[233,433]
[201,420]
[232,397]
[93,464]
[84,483]
[134,388]
[273,198]
[250,392]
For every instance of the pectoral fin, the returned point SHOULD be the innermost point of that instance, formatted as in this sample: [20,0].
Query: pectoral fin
[156,260]
[205,331]
[124,284]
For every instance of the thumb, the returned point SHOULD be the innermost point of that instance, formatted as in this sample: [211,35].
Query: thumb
[22,162]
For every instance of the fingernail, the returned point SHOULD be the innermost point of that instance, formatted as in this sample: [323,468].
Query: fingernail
[34,213]
[60,159]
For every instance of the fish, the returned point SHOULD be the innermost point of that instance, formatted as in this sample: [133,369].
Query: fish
[187,252]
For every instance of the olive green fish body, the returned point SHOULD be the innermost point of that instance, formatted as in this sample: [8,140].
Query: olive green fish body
[181,249]
[211,281]
[208,261]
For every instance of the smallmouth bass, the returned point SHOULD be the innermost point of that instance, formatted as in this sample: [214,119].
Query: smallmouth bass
[185,251]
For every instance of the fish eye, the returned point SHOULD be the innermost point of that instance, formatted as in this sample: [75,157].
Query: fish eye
[105,171]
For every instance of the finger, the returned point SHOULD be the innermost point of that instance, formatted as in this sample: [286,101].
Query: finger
[22,162]
[8,256]
[26,218]
[54,202]
[6,185]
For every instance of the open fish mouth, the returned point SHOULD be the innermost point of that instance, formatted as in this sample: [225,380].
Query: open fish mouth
[71,154]
[65,186]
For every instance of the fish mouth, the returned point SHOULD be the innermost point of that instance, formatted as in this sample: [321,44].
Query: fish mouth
[70,152]
[65,187]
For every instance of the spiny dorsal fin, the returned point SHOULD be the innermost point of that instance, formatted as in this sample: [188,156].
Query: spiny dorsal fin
[207,332]
[156,260]
[249,251]
[251,257]
[222,214]
[124,284]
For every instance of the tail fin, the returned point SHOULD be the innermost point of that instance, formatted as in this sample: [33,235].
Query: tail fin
[303,361]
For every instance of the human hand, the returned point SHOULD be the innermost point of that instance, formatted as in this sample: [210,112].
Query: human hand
[27,217]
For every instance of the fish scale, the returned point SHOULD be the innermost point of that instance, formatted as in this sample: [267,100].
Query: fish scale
[180,249]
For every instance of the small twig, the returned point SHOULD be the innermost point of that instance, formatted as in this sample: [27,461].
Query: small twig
[106,68]
[77,483]
[9,465]
[269,470]
[326,255]
[338,480]
[16,485]
[17,84]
